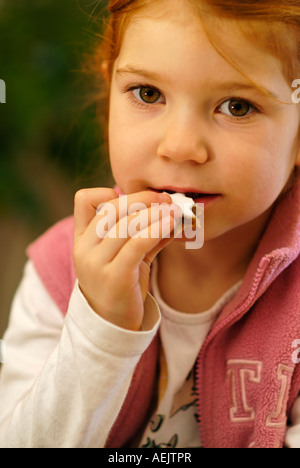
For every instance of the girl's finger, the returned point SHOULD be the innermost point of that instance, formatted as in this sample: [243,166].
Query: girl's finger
[153,223]
[129,204]
[137,248]
[85,205]
[113,211]
[150,256]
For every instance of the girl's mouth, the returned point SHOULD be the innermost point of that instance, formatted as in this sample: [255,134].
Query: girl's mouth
[198,197]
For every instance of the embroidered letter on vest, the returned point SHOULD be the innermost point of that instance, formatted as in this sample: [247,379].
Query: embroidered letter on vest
[241,372]
[278,417]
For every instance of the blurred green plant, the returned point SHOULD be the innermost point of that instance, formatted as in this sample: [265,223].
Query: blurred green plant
[42,43]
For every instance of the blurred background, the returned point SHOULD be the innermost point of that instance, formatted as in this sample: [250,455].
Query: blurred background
[51,143]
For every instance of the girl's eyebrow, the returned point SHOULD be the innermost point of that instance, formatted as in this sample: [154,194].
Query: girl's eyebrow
[231,86]
[228,86]
[150,75]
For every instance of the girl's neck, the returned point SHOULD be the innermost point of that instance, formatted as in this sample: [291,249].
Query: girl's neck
[207,273]
[227,254]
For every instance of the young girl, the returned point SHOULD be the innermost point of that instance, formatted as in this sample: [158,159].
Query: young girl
[200,102]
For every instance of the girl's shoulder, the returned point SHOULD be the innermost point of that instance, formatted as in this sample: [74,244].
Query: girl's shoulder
[52,256]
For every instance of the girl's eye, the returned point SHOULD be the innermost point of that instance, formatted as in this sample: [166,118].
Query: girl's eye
[147,95]
[236,108]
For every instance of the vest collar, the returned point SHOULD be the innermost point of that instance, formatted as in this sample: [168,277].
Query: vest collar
[278,248]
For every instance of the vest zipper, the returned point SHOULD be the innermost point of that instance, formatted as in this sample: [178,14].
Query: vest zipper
[233,317]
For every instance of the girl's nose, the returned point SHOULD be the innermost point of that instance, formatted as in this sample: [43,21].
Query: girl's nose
[183,139]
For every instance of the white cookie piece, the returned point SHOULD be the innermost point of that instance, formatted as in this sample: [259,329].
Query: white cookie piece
[189,210]
[186,204]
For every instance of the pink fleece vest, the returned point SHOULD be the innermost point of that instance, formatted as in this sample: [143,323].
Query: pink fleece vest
[247,376]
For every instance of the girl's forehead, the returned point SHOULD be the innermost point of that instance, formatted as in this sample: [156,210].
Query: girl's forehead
[239,39]
[166,26]
[179,11]
[180,47]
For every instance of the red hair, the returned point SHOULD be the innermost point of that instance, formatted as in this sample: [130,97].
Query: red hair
[273,25]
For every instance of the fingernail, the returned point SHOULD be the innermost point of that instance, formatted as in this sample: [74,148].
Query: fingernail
[165,197]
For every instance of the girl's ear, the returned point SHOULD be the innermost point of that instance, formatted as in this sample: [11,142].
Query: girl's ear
[104,69]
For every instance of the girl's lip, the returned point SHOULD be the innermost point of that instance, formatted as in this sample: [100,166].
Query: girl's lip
[198,197]
[206,199]
[180,190]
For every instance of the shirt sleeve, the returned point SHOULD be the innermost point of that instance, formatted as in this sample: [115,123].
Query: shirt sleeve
[65,379]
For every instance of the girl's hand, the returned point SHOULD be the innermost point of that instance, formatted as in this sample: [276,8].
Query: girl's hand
[113,271]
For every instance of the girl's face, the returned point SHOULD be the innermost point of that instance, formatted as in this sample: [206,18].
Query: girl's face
[183,119]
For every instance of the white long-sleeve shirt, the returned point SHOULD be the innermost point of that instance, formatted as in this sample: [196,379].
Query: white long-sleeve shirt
[74,371]
[65,378]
